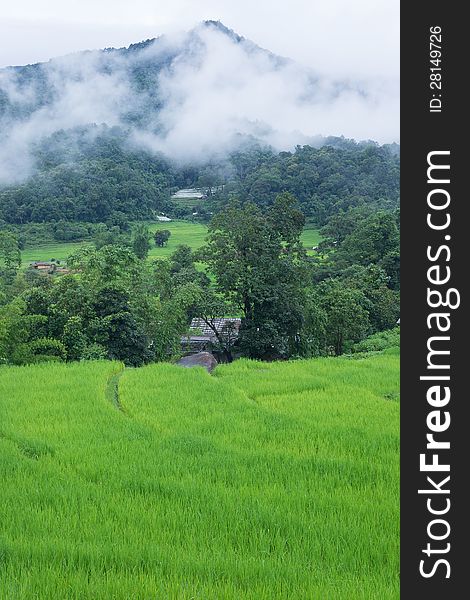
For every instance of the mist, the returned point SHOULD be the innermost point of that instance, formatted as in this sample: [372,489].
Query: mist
[208,91]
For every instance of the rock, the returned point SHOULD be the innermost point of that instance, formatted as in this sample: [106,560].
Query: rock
[201,359]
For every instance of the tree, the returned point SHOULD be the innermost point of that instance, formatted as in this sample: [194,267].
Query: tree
[44,350]
[106,307]
[141,241]
[14,329]
[371,241]
[114,263]
[343,223]
[209,307]
[20,333]
[383,303]
[259,262]
[347,319]
[183,268]
[116,327]
[123,338]
[161,237]
[391,265]
[312,339]
[106,236]
[74,338]
[182,258]
[114,185]
[10,257]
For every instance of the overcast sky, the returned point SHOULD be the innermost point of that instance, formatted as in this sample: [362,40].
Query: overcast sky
[337,37]
[351,47]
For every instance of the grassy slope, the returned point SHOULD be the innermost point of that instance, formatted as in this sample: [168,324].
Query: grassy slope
[264,481]
[310,238]
[45,252]
[182,232]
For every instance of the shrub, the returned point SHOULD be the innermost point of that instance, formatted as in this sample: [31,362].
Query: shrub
[377,342]
[39,350]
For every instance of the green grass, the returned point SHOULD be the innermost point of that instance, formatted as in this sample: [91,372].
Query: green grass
[310,238]
[263,481]
[182,232]
[45,252]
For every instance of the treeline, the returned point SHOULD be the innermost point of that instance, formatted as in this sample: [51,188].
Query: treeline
[115,304]
[324,180]
[88,182]
[93,175]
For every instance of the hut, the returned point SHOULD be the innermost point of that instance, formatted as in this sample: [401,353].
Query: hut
[217,335]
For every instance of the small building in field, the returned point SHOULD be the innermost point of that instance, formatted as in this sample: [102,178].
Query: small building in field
[49,268]
[43,266]
[211,335]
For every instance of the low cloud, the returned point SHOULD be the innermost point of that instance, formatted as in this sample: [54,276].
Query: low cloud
[212,90]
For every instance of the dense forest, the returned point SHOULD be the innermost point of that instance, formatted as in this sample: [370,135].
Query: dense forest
[99,179]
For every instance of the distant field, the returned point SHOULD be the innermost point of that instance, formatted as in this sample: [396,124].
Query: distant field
[182,232]
[262,482]
[48,251]
[310,238]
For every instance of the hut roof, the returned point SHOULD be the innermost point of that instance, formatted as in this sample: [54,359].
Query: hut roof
[220,323]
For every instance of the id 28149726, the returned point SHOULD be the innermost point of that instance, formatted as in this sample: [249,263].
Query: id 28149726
[435,69]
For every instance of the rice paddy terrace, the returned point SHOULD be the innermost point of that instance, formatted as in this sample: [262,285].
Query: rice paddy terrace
[262,481]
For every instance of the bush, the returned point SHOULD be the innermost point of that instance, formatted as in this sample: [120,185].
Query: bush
[65,231]
[94,352]
[378,342]
[39,350]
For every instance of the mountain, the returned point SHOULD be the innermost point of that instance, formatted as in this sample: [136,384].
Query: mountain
[126,86]
[112,131]
[190,96]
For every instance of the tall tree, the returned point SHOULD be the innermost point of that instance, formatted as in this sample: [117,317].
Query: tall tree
[10,257]
[141,241]
[258,262]
[347,319]
[161,237]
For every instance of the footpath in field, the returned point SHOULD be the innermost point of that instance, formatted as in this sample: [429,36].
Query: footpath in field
[263,481]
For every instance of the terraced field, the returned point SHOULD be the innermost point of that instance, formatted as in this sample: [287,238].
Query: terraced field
[263,481]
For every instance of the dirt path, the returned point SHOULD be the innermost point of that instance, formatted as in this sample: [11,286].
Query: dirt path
[112,389]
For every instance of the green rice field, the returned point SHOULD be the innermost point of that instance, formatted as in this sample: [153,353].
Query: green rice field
[182,232]
[263,481]
[310,238]
[46,252]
